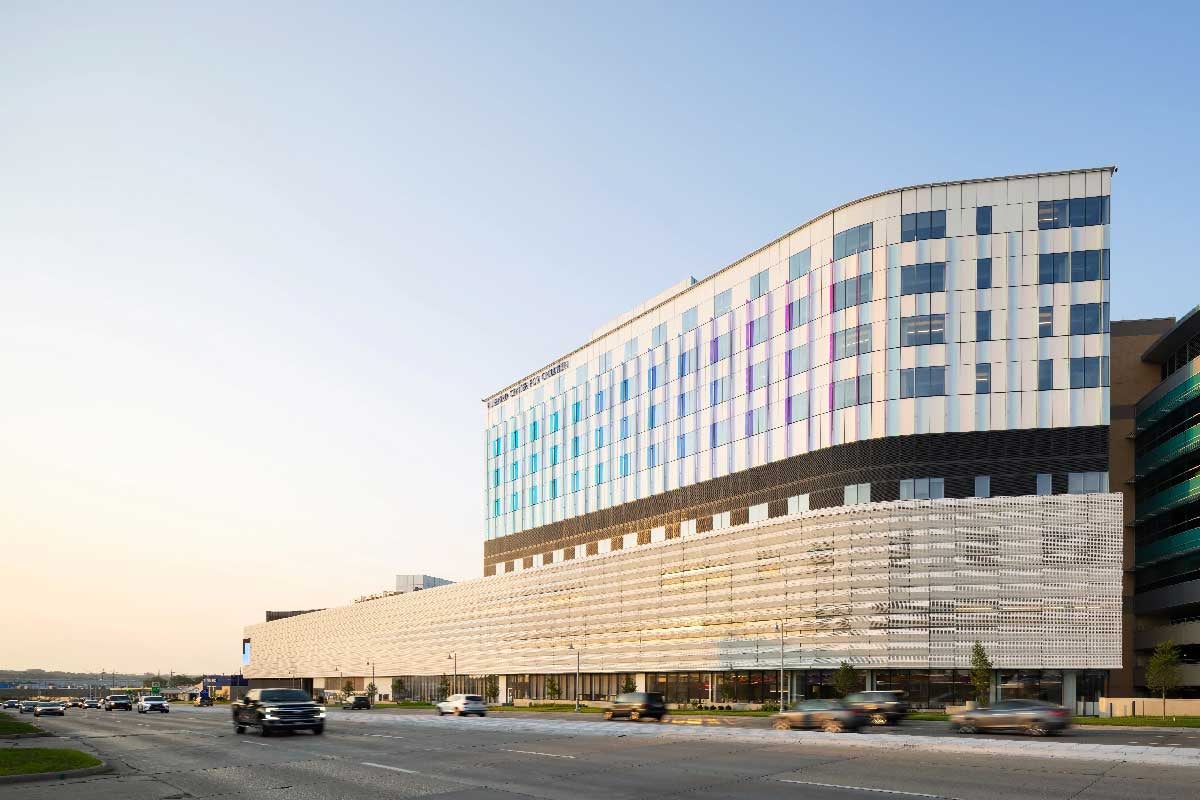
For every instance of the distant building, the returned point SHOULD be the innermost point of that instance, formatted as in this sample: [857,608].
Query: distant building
[415,583]
[274,615]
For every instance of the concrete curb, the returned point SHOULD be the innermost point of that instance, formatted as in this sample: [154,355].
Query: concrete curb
[56,776]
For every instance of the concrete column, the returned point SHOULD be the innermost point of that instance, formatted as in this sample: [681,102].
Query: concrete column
[502,691]
[994,696]
[639,679]
[870,676]
[1068,689]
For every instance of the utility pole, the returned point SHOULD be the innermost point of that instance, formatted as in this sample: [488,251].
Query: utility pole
[577,650]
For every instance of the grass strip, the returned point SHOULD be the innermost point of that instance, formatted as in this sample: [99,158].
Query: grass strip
[1136,722]
[10,725]
[34,760]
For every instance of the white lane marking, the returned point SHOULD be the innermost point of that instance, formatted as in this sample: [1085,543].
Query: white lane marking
[260,744]
[536,753]
[385,766]
[383,736]
[865,789]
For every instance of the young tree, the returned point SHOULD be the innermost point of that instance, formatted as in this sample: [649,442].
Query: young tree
[725,689]
[552,690]
[1162,671]
[372,689]
[628,685]
[443,688]
[844,680]
[398,688]
[348,687]
[981,672]
[491,687]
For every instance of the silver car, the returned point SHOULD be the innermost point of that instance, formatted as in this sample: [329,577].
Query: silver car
[1034,717]
[55,709]
[461,705]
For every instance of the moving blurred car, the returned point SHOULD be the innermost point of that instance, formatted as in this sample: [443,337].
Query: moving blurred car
[27,706]
[91,702]
[271,710]
[462,704]
[75,702]
[115,701]
[12,703]
[1035,717]
[636,705]
[153,702]
[356,701]
[54,709]
[831,716]
[881,707]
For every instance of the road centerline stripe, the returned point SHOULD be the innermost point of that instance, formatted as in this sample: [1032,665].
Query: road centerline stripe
[866,789]
[387,766]
[535,753]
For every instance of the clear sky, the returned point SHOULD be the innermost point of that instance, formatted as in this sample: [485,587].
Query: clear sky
[260,262]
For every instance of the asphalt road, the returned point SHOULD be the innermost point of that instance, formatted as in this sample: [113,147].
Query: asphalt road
[194,753]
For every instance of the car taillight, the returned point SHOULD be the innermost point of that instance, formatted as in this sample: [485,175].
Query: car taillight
[1059,712]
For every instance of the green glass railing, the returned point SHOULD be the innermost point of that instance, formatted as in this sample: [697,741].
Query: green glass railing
[1180,444]
[1168,498]
[1170,547]
[1185,391]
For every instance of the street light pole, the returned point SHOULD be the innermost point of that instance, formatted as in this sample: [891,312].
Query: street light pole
[577,651]
[371,664]
[454,684]
[780,665]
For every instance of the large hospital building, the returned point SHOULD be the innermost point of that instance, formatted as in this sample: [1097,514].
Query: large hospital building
[877,439]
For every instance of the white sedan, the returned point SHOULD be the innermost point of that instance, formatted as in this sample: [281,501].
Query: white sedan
[461,705]
[153,702]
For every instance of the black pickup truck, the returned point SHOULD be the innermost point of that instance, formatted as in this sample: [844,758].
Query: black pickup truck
[272,710]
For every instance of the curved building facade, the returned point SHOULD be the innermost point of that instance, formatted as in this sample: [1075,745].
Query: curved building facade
[878,439]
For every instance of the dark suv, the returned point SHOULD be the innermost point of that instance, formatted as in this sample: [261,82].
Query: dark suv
[356,701]
[881,708]
[636,705]
[272,710]
[121,701]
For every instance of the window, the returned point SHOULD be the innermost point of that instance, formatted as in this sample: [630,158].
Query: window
[1045,485]
[533,462]
[852,342]
[856,493]
[756,376]
[1090,265]
[496,476]
[554,422]
[1046,321]
[576,407]
[756,421]
[652,455]
[1045,374]
[1076,212]
[1087,482]
[856,240]
[722,302]
[1089,318]
[599,406]
[923,382]
[599,474]
[797,407]
[687,403]
[798,313]
[983,273]
[497,445]
[574,447]
[923,329]
[496,507]
[796,360]
[923,489]
[924,225]
[624,462]
[760,284]
[1054,268]
[685,444]
[799,264]
[720,347]
[852,292]
[515,501]
[687,362]
[652,377]
[690,319]
[533,495]
[575,481]
[983,220]
[983,485]
[983,379]
[983,326]
[658,335]
[553,488]
[624,427]
[657,415]
[533,431]
[760,330]
[631,349]
[1089,372]
[923,278]
[515,440]
[553,455]
[514,470]
[720,390]
[852,391]
[599,437]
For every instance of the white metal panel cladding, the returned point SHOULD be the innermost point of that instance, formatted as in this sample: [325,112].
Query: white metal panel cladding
[1037,579]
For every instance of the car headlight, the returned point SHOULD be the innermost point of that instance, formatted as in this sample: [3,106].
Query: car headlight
[270,710]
